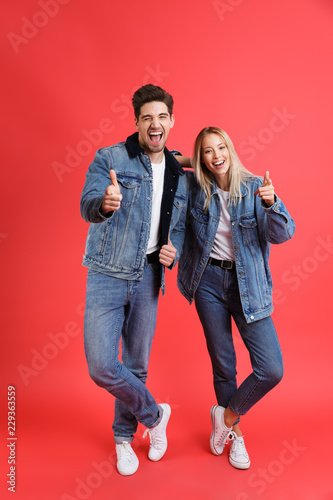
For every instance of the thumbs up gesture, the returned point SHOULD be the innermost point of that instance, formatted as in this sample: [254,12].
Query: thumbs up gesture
[266,191]
[167,253]
[112,195]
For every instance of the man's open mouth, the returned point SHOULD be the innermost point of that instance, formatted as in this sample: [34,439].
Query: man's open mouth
[155,137]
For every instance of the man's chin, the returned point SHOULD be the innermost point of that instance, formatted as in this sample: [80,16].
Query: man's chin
[156,148]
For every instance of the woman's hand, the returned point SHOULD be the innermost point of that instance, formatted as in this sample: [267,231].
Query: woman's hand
[266,191]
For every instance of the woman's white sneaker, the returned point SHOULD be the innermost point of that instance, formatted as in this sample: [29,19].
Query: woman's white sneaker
[220,432]
[238,456]
[127,461]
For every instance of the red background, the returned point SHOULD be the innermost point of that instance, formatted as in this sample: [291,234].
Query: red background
[70,68]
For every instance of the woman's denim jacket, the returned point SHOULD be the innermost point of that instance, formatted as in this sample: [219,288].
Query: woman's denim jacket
[253,227]
[117,243]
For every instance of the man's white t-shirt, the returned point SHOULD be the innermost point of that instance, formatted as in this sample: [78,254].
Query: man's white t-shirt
[155,224]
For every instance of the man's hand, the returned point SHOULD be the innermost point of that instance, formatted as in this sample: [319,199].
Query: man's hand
[167,254]
[266,191]
[112,195]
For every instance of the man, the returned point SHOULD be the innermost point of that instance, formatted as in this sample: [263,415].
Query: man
[135,197]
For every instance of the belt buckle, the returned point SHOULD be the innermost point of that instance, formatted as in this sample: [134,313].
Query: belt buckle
[229,264]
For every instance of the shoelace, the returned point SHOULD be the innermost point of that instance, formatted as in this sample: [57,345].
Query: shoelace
[125,451]
[222,436]
[155,441]
[238,444]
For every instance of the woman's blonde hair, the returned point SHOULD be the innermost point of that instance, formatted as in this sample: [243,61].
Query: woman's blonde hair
[236,173]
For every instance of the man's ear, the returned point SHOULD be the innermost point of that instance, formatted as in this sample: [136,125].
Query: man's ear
[136,123]
[172,120]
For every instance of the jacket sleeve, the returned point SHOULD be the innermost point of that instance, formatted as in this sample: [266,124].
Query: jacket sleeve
[97,180]
[275,223]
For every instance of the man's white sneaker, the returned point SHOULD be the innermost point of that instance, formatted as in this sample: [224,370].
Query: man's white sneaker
[238,456]
[220,432]
[158,439]
[127,461]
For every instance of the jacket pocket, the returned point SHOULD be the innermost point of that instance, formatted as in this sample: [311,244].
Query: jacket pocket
[199,220]
[249,230]
[200,215]
[130,188]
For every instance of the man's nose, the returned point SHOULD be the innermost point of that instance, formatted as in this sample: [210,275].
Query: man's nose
[155,123]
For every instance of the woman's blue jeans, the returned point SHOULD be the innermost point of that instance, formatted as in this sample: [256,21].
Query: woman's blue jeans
[121,309]
[217,300]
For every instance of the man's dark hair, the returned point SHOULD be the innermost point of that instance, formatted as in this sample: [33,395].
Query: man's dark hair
[149,93]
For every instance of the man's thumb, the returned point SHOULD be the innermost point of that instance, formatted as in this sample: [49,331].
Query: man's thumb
[113,177]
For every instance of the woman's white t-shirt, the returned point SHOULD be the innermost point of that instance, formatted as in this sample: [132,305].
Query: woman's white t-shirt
[223,247]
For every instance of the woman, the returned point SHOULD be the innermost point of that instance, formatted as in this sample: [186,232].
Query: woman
[233,218]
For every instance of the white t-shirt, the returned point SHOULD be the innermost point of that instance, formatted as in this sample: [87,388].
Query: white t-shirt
[223,247]
[155,224]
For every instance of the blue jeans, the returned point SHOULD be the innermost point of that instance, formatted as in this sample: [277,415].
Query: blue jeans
[122,309]
[217,300]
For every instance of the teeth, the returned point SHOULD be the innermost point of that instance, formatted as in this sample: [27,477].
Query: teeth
[155,133]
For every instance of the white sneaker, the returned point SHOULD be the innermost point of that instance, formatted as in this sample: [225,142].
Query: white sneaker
[127,461]
[238,456]
[220,432]
[158,439]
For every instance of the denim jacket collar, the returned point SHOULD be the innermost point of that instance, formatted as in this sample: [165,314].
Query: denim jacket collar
[134,149]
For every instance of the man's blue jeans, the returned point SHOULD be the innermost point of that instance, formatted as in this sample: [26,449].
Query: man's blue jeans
[217,300]
[121,309]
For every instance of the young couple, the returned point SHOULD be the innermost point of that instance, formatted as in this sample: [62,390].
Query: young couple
[145,214]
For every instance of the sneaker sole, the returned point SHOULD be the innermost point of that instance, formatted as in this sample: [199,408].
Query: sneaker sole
[211,441]
[238,465]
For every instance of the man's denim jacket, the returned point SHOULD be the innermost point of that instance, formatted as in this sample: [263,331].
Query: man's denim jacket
[117,243]
[253,228]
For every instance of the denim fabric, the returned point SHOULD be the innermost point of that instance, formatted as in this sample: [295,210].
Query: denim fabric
[117,243]
[124,309]
[253,228]
[217,300]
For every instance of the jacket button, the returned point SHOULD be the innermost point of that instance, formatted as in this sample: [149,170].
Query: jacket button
[245,295]
[240,272]
[251,317]
[237,247]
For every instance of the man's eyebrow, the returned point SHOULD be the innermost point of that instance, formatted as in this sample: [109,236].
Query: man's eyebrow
[149,116]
